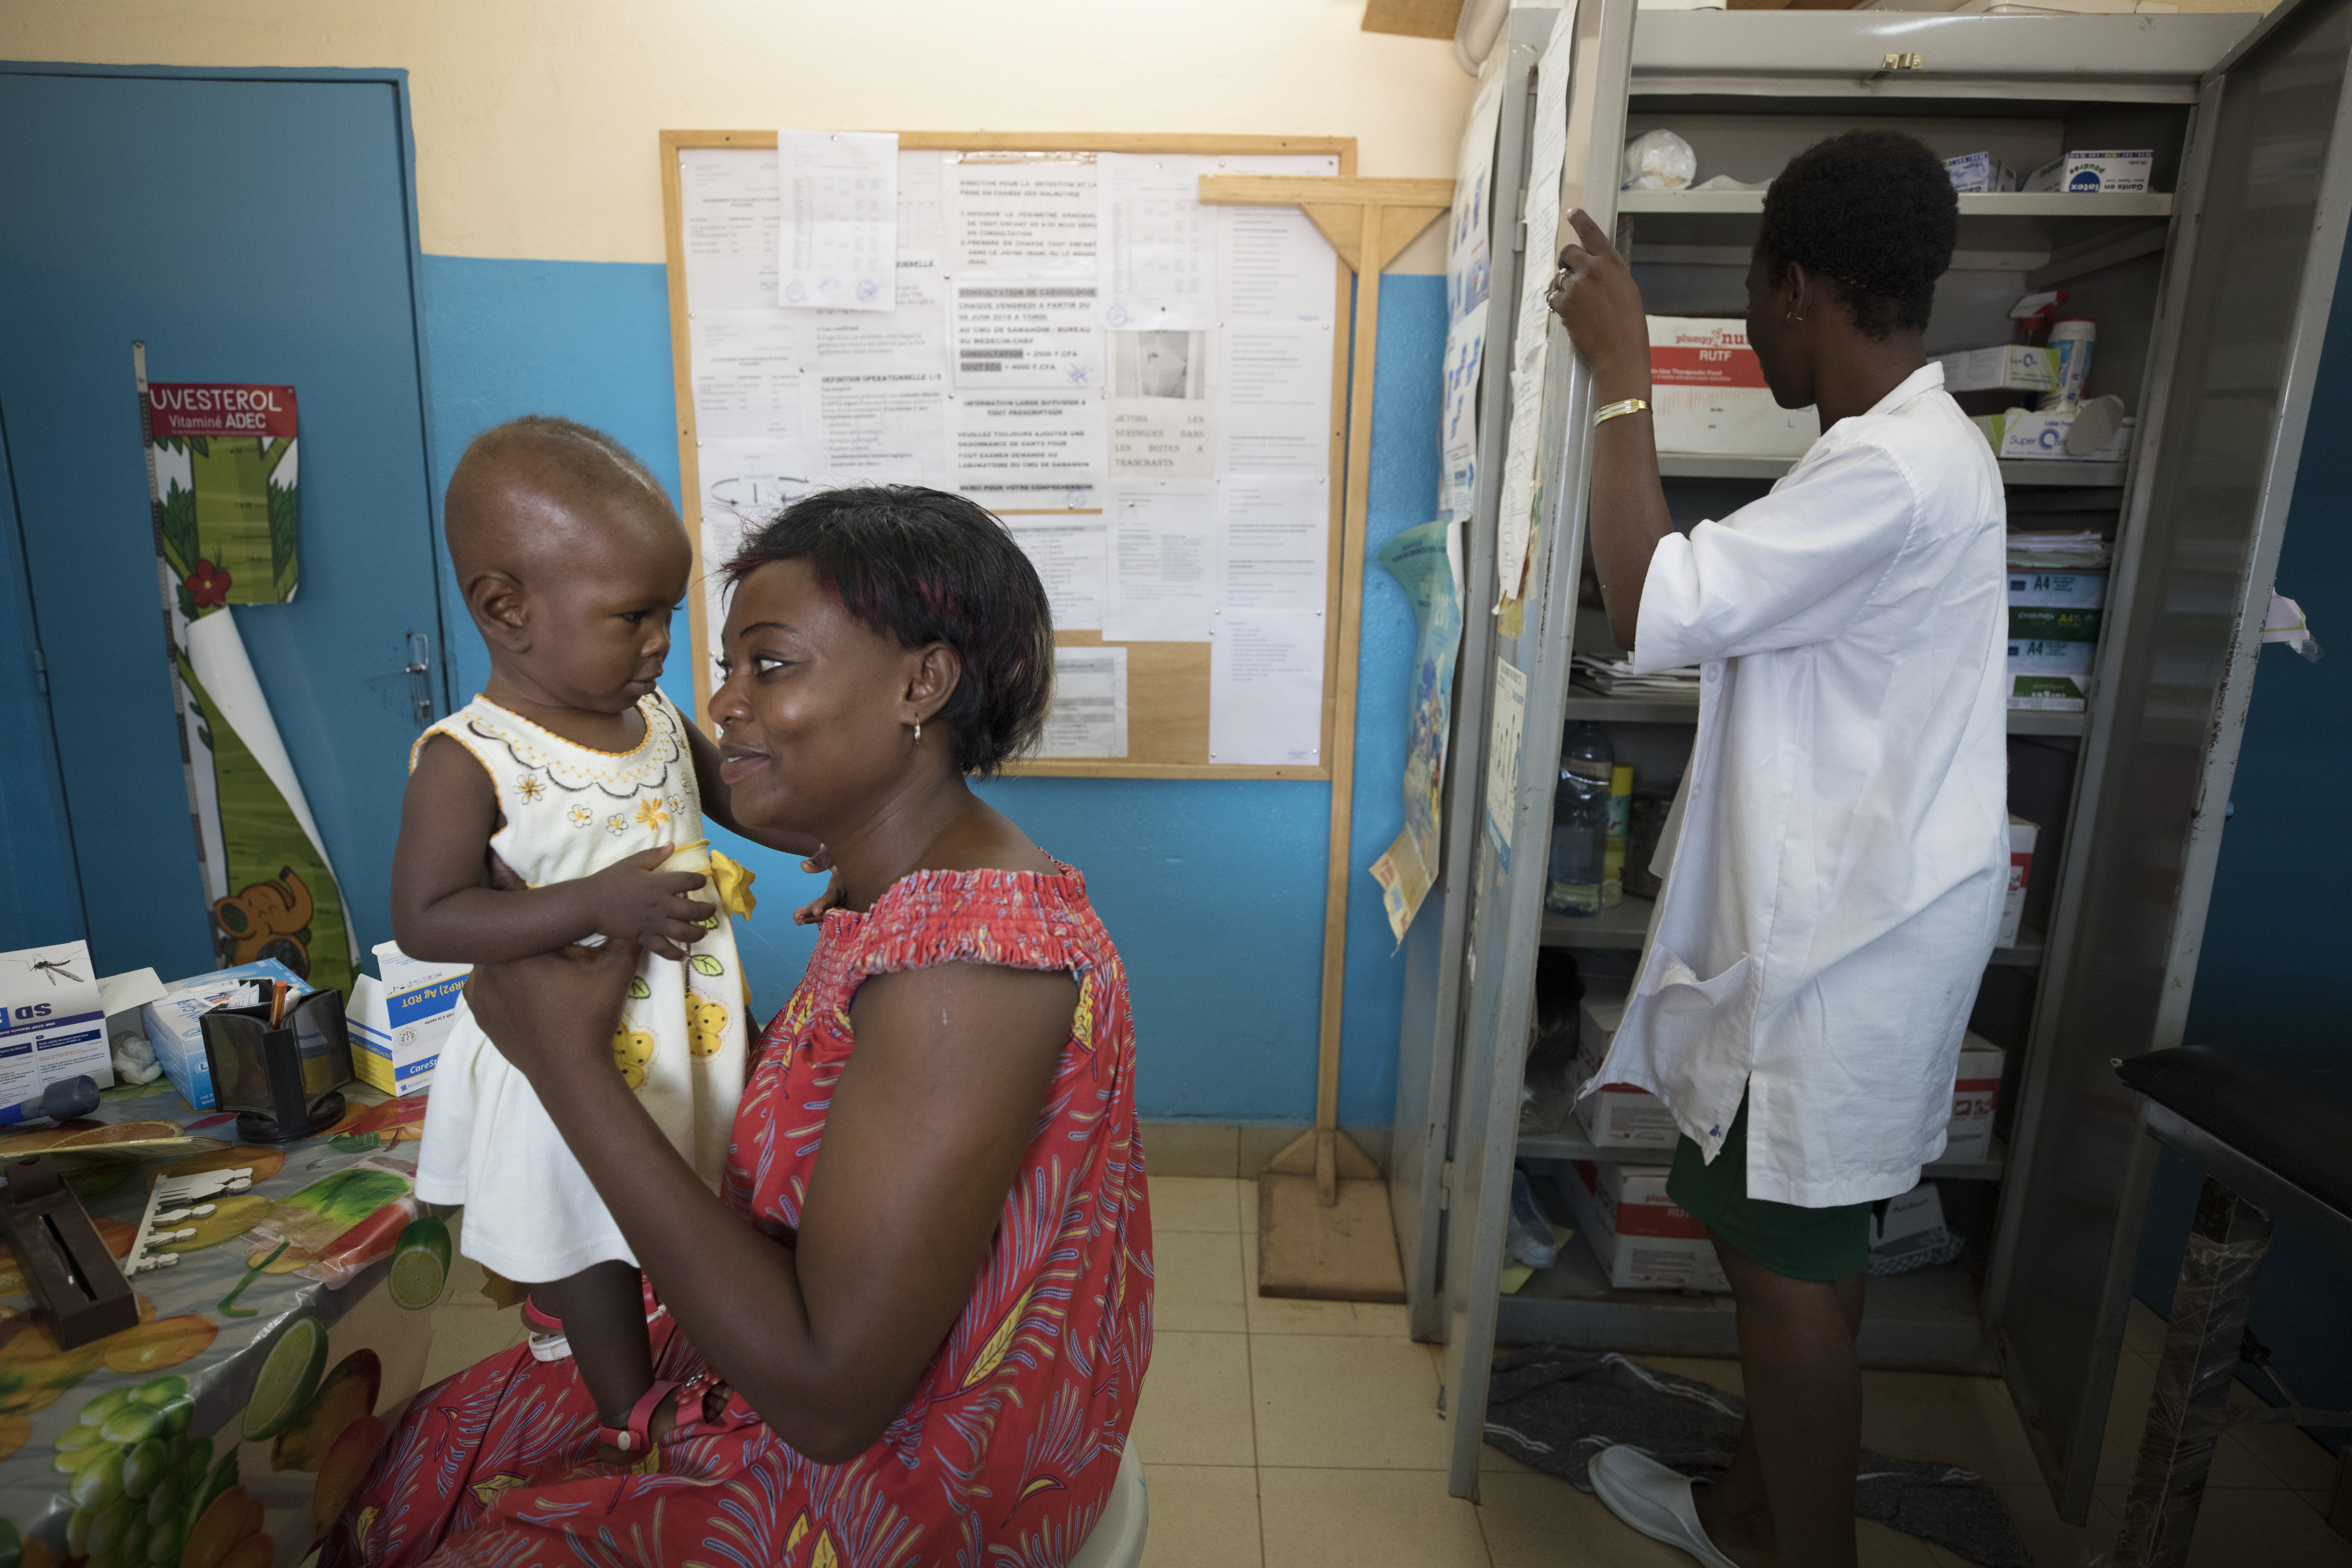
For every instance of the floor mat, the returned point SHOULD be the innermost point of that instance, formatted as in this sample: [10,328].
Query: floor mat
[1553,1409]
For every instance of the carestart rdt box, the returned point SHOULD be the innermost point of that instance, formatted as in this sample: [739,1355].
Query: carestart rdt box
[398,1022]
[1643,1241]
[54,1023]
[1708,393]
[2022,835]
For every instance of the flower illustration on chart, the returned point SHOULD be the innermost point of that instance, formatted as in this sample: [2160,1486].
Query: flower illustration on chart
[207,585]
[616,825]
[529,788]
[580,816]
[650,813]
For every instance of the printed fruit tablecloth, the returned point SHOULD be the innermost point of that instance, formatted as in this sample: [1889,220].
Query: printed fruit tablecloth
[230,1426]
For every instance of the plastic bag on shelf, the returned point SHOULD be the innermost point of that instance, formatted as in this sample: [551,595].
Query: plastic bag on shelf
[1658,160]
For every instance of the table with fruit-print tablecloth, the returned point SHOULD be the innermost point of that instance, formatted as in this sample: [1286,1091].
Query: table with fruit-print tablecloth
[227,1430]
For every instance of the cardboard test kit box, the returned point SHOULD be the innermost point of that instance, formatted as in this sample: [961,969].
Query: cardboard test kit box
[54,1023]
[1615,1116]
[1976,1095]
[1707,393]
[398,1021]
[1642,1238]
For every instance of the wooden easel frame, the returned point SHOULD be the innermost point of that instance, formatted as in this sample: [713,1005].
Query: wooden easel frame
[1344,546]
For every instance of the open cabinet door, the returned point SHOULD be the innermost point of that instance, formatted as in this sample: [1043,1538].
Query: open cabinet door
[1504,784]
[2257,243]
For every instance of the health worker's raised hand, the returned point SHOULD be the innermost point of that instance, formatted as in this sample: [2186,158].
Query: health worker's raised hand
[1596,299]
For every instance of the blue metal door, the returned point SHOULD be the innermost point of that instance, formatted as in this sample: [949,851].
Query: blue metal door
[247,231]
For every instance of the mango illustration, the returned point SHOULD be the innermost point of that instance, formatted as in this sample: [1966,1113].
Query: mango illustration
[633,1052]
[232,1215]
[341,1469]
[706,1024]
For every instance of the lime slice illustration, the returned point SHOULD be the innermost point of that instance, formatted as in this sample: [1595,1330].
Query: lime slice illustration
[420,1264]
[288,1378]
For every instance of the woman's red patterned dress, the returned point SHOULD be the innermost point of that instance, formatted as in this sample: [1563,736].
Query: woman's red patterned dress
[1005,1454]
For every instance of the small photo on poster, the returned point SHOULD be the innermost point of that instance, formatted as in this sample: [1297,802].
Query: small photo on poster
[1159,364]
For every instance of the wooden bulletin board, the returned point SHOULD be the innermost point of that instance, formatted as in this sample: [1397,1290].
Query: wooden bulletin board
[1168,683]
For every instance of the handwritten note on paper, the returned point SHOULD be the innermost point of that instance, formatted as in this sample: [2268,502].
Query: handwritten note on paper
[1274,395]
[1022,214]
[728,212]
[1266,687]
[1072,555]
[838,240]
[1162,560]
[1273,542]
[1089,717]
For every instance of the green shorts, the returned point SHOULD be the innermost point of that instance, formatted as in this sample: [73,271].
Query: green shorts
[1795,1243]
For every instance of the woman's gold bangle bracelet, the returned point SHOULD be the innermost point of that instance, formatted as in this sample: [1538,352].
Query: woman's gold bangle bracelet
[1628,405]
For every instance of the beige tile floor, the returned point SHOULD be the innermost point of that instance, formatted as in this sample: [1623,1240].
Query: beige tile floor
[1296,1434]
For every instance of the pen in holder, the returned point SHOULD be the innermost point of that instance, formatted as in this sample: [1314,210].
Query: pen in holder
[281,1081]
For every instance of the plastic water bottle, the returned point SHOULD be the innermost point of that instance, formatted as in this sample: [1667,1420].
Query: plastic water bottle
[1579,823]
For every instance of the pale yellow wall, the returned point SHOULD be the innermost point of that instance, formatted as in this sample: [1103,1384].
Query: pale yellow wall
[536,118]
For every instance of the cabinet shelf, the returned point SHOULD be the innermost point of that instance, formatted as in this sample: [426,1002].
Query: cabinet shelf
[2003,203]
[2019,471]
[1570,1142]
[1622,926]
[1925,1321]
[1584,702]
[2043,222]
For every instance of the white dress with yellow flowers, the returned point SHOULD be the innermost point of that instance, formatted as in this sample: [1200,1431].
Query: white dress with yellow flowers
[567,812]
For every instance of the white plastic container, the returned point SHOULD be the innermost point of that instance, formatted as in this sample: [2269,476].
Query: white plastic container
[2072,341]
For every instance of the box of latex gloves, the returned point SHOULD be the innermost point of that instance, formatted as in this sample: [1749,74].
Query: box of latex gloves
[2041,433]
[2096,173]
[1642,1240]
[2005,367]
[2053,637]
[178,1039]
[1615,1115]
[52,1020]
[398,1021]
[1708,393]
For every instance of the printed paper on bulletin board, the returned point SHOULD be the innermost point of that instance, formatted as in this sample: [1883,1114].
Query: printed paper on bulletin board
[1148,391]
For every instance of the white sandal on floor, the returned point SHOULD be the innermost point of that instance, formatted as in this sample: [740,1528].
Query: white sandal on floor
[1654,1500]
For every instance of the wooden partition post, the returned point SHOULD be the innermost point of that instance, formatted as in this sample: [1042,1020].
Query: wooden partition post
[1347,1251]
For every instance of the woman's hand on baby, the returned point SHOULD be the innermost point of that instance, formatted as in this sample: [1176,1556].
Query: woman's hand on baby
[1596,299]
[553,1015]
[631,902]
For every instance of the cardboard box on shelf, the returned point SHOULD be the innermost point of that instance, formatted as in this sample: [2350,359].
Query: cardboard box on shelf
[2040,435]
[52,1020]
[1708,393]
[1618,1115]
[179,1039]
[2107,173]
[1642,1239]
[400,1020]
[2004,367]
[1979,174]
[2022,835]
[1976,1095]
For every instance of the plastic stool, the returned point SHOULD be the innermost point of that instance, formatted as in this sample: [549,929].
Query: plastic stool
[1118,1540]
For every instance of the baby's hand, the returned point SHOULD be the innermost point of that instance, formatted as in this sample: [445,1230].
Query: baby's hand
[812,912]
[634,903]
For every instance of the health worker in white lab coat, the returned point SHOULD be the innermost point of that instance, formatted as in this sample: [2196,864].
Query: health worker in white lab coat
[1836,865]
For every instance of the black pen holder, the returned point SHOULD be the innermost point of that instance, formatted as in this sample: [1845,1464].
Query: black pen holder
[282,1082]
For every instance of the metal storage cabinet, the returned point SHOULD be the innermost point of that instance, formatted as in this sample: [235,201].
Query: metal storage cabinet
[2211,296]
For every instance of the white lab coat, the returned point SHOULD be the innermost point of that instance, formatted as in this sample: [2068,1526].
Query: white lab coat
[1839,854]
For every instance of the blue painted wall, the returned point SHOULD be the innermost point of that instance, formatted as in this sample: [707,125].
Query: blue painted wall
[2280,924]
[1212,891]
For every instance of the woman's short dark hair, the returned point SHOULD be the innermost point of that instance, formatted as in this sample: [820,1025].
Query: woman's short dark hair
[923,566]
[1873,212]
